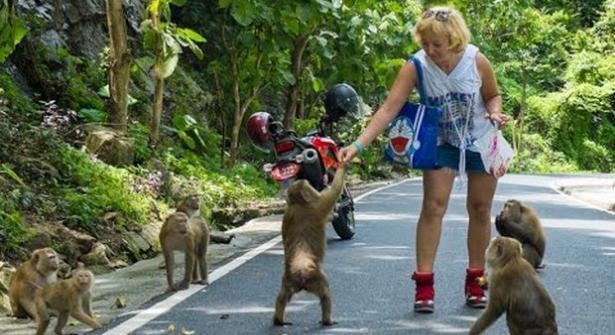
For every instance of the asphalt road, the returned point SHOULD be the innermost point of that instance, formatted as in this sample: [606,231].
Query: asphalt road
[370,275]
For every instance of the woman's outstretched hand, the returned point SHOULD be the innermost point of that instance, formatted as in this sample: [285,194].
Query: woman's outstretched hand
[346,153]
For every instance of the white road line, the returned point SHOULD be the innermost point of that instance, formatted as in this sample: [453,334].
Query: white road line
[144,316]
[357,199]
[556,187]
[151,313]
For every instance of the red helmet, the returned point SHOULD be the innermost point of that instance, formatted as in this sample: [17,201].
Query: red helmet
[258,130]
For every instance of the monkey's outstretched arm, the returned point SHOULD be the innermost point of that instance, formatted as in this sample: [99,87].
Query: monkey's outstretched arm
[330,194]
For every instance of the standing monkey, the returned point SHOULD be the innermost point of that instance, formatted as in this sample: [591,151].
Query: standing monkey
[191,207]
[521,223]
[180,233]
[69,297]
[515,289]
[39,271]
[303,236]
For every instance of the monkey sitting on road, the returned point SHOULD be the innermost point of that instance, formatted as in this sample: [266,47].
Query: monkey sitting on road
[303,236]
[515,289]
[69,297]
[180,233]
[39,271]
[521,223]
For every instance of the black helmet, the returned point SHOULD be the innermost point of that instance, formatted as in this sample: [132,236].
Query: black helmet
[258,130]
[340,101]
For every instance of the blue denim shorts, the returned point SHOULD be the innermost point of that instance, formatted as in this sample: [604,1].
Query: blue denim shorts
[448,157]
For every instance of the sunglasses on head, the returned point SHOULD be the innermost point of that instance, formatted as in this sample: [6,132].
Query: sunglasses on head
[440,15]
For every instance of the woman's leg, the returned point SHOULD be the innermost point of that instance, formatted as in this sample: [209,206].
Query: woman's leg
[437,185]
[481,189]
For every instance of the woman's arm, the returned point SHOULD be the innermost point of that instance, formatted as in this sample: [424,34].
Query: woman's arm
[404,83]
[398,94]
[489,91]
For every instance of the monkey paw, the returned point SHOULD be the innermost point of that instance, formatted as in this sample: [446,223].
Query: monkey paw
[279,322]
[203,282]
[183,285]
[328,322]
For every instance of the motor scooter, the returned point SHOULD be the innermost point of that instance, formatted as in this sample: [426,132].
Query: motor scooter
[312,157]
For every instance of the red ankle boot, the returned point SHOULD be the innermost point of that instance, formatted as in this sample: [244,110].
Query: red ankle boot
[423,299]
[475,295]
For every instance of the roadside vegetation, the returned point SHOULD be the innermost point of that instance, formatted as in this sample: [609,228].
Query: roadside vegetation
[198,69]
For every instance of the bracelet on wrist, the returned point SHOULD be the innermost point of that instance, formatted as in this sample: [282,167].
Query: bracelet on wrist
[359,146]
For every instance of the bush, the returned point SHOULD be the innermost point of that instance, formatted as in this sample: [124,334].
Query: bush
[13,229]
[91,189]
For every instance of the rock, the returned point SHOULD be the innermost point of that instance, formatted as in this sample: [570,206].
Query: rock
[117,264]
[98,256]
[6,272]
[150,234]
[110,146]
[136,243]
[77,241]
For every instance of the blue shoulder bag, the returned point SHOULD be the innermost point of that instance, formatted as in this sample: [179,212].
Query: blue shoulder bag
[413,134]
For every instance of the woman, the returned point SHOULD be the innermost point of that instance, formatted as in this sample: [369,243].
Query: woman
[460,80]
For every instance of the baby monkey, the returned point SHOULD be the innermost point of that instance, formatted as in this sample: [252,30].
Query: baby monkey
[69,297]
[515,289]
[304,240]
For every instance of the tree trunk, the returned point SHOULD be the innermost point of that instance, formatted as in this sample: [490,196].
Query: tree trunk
[294,91]
[157,107]
[237,115]
[119,72]
[159,81]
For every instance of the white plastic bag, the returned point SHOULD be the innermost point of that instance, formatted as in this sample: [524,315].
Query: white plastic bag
[495,152]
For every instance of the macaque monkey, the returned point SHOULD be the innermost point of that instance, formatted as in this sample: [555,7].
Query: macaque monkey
[191,206]
[521,223]
[515,289]
[304,240]
[180,233]
[37,272]
[68,297]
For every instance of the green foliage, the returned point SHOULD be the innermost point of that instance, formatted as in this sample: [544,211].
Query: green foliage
[219,188]
[140,134]
[15,95]
[12,30]
[538,156]
[165,38]
[92,115]
[189,131]
[90,189]
[13,229]
[580,122]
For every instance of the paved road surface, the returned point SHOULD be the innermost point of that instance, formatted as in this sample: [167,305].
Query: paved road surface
[370,275]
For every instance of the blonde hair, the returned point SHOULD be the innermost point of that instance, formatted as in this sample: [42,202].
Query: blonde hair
[453,27]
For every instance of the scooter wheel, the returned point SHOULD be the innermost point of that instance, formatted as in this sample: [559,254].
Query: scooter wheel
[343,223]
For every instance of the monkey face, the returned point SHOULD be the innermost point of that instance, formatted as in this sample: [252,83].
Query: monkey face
[178,223]
[45,259]
[84,278]
[511,211]
[501,250]
[192,202]
[301,192]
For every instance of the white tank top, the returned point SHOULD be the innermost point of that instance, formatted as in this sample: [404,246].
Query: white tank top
[458,94]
